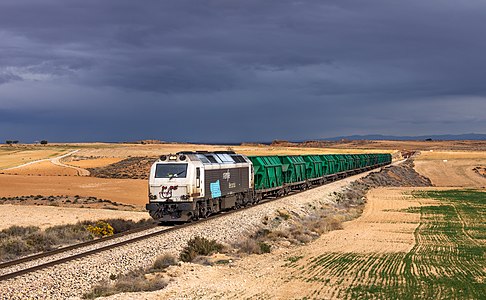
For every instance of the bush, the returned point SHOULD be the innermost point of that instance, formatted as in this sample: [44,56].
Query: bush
[283,214]
[264,247]
[252,246]
[18,231]
[39,241]
[17,241]
[134,281]
[249,246]
[199,246]
[164,261]
[121,225]
[71,233]
[100,229]
[14,247]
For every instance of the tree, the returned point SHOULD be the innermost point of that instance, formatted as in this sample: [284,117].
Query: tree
[8,142]
[43,142]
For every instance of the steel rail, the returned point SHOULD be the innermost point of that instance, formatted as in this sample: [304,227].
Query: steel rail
[72,247]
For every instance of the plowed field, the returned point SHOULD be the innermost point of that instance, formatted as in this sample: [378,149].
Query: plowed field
[453,169]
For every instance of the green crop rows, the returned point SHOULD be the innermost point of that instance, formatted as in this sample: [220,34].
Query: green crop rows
[448,260]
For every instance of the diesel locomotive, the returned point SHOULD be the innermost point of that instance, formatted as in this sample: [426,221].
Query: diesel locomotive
[190,185]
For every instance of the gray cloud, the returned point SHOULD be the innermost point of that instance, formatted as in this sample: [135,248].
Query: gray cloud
[248,70]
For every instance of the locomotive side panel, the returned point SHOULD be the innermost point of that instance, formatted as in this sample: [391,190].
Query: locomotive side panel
[222,182]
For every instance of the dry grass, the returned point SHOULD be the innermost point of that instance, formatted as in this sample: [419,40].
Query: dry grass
[141,280]
[199,246]
[451,155]
[251,246]
[163,262]
[44,168]
[18,241]
[93,162]
[134,281]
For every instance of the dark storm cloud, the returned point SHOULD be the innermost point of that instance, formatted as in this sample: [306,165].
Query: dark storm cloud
[255,70]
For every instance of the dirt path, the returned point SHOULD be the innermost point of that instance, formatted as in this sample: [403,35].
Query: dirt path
[48,167]
[80,171]
[383,229]
[41,160]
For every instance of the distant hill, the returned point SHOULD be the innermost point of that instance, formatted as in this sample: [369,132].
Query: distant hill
[442,137]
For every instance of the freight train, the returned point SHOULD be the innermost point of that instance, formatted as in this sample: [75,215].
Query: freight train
[190,185]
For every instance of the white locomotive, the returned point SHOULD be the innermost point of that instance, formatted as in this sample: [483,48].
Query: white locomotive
[192,185]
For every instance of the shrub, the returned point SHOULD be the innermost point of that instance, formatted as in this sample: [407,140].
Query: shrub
[100,229]
[134,281]
[249,246]
[121,225]
[252,246]
[39,241]
[65,234]
[283,214]
[199,246]
[264,247]
[164,261]
[14,247]
[18,231]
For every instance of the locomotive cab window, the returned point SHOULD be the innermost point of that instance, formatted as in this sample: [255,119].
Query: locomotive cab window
[171,171]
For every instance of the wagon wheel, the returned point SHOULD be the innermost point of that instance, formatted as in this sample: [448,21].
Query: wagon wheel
[203,212]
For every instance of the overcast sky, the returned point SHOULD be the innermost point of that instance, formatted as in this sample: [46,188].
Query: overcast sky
[232,71]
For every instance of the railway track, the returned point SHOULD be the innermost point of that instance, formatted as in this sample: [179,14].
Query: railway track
[26,265]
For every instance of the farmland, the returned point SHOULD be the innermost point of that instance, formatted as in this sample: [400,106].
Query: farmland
[446,261]
[409,242]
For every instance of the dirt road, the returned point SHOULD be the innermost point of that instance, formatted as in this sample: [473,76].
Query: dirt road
[48,167]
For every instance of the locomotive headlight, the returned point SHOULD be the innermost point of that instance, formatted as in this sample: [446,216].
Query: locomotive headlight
[163,157]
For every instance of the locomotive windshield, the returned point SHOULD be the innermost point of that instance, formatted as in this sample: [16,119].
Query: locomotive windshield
[171,171]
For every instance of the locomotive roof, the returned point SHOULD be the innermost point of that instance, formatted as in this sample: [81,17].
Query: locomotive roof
[216,157]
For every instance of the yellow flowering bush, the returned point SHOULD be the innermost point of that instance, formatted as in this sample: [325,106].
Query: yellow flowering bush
[100,229]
